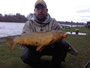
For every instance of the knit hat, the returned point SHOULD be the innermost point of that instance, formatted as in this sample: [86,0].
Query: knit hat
[40,2]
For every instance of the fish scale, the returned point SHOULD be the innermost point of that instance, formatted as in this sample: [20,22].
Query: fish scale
[39,39]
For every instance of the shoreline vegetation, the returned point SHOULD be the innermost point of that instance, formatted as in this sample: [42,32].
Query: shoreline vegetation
[13,18]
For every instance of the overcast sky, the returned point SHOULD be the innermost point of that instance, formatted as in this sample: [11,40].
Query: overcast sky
[61,10]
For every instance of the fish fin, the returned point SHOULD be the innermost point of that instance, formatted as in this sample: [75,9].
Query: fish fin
[39,48]
[9,40]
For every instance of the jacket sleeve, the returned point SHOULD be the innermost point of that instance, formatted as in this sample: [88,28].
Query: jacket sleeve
[27,28]
[56,26]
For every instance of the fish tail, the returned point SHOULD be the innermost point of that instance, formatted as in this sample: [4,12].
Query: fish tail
[9,40]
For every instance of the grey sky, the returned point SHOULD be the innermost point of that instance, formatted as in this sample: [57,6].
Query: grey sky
[62,10]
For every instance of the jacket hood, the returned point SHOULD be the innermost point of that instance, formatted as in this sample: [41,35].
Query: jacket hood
[33,18]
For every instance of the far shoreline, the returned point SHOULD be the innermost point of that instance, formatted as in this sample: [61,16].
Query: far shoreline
[12,22]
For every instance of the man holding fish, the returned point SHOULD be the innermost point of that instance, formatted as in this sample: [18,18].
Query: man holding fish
[41,21]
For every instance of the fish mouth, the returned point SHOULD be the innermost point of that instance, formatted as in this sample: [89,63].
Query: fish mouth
[65,35]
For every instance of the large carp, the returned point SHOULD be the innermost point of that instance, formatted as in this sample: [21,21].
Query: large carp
[39,39]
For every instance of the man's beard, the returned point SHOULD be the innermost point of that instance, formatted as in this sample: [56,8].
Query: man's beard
[41,17]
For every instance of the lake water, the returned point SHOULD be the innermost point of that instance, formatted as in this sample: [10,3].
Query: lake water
[11,29]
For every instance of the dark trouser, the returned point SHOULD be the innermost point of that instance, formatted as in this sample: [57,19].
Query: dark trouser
[58,52]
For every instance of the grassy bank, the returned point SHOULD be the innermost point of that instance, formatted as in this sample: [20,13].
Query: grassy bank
[81,43]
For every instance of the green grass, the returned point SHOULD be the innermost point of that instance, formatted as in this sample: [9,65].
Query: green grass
[81,43]
[10,60]
[83,29]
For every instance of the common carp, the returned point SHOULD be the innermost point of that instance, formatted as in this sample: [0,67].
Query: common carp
[39,39]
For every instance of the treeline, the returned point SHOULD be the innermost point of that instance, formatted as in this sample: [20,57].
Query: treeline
[13,18]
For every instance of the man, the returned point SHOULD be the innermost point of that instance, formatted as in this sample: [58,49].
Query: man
[41,21]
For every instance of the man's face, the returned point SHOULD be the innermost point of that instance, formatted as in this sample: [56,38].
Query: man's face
[40,12]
